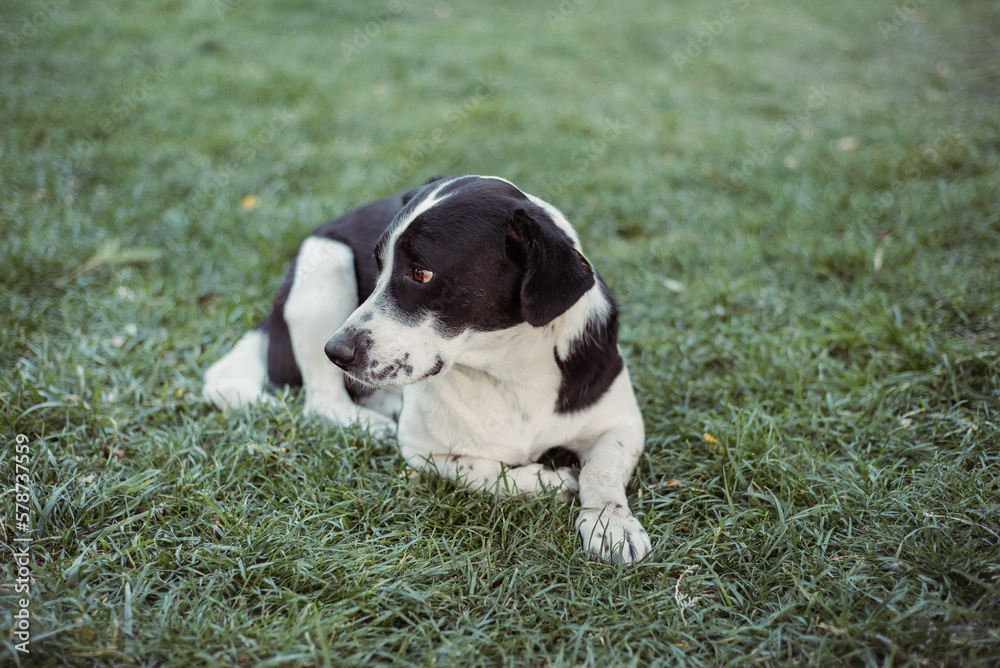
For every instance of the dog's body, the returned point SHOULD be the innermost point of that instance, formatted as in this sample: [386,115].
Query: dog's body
[476,301]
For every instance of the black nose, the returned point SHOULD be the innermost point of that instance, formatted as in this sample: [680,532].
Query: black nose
[340,350]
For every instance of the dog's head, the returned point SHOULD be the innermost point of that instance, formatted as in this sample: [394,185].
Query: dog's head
[464,257]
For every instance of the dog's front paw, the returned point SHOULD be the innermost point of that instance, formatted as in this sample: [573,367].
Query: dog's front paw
[234,392]
[612,534]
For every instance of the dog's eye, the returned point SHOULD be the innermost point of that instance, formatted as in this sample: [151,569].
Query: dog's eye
[422,275]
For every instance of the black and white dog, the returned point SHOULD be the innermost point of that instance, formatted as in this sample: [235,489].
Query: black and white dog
[476,300]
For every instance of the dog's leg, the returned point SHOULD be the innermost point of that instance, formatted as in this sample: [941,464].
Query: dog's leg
[605,524]
[323,295]
[493,476]
[237,380]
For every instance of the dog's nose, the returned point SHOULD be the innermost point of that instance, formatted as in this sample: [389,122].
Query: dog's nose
[340,350]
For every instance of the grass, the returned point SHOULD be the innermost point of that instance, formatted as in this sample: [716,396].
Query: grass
[801,218]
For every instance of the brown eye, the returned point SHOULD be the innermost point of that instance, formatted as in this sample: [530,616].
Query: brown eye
[422,275]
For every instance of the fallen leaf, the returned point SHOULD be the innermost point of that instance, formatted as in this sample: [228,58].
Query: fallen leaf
[672,285]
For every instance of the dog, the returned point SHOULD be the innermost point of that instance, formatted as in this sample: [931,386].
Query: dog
[464,310]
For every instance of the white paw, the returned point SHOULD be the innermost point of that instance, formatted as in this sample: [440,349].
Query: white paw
[234,393]
[612,534]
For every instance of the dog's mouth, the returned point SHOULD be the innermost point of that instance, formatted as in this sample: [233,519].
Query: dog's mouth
[361,380]
[436,369]
[398,371]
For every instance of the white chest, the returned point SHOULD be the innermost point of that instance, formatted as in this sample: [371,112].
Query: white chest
[472,415]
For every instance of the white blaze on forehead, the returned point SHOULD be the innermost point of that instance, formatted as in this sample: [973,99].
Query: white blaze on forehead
[400,226]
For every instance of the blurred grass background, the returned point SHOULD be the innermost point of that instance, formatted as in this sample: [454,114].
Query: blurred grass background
[796,203]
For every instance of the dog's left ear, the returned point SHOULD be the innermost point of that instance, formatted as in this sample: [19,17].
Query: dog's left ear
[555,274]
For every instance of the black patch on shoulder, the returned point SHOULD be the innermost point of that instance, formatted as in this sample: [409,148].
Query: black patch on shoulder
[593,362]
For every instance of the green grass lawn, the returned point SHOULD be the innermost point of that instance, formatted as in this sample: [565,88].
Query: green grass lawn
[796,203]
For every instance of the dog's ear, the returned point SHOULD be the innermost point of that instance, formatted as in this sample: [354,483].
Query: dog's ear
[555,274]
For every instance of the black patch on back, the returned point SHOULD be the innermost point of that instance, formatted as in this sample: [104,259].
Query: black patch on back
[281,366]
[593,362]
